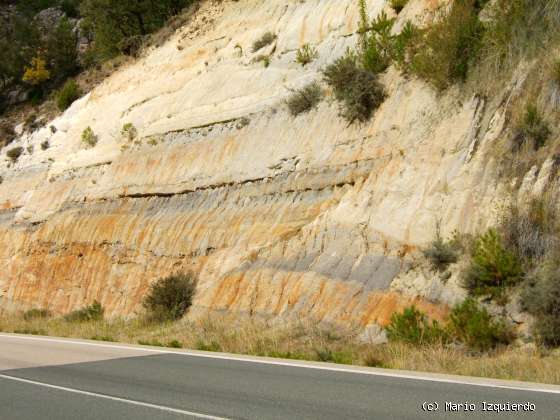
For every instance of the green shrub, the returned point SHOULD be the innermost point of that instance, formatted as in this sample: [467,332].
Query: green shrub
[93,312]
[357,90]
[170,297]
[14,153]
[532,231]
[493,268]
[45,145]
[327,355]
[204,346]
[267,39]
[36,314]
[176,344]
[129,132]
[377,44]
[67,95]
[541,298]
[304,99]
[107,338]
[154,343]
[398,5]
[306,54]
[412,326]
[446,50]
[441,253]
[474,326]
[89,138]
[531,129]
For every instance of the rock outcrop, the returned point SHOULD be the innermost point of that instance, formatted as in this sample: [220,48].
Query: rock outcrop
[281,217]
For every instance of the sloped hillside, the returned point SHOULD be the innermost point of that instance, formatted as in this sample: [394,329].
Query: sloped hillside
[281,216]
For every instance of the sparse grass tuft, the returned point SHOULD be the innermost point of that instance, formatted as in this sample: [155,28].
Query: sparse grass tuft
[129,132]
[304,99]
[306,54]
[89,138]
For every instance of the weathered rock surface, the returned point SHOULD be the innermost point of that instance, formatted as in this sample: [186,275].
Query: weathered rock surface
[281,217]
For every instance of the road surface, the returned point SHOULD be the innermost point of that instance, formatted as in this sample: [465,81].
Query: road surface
[47,378]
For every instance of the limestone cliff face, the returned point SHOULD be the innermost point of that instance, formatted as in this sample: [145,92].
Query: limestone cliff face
[280,216]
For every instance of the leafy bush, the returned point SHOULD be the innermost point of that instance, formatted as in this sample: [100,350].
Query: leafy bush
[541,298]
[474,326]
[377,44]
[45,145]
[170,297]
[129,132]
[93,312]
[36,314]
[446,50]
[67,95]
[14,153]
[306,54]
[267,39]
[89,138]
[531,129]
[493,268]
[441,253]
[356,89]
[398,5]
[305,99]
[412,326]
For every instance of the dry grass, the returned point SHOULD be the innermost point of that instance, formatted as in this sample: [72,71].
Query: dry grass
[302,341]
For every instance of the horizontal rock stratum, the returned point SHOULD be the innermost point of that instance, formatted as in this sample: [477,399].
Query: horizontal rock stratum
[281,217]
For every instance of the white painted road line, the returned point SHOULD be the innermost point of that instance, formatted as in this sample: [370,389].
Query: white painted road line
[470,381]
[118,399]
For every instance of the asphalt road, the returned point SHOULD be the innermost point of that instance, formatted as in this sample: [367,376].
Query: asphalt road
[44,379]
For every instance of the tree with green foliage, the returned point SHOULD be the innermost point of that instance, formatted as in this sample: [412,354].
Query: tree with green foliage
[62,53]
[113,21]
[493,268]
